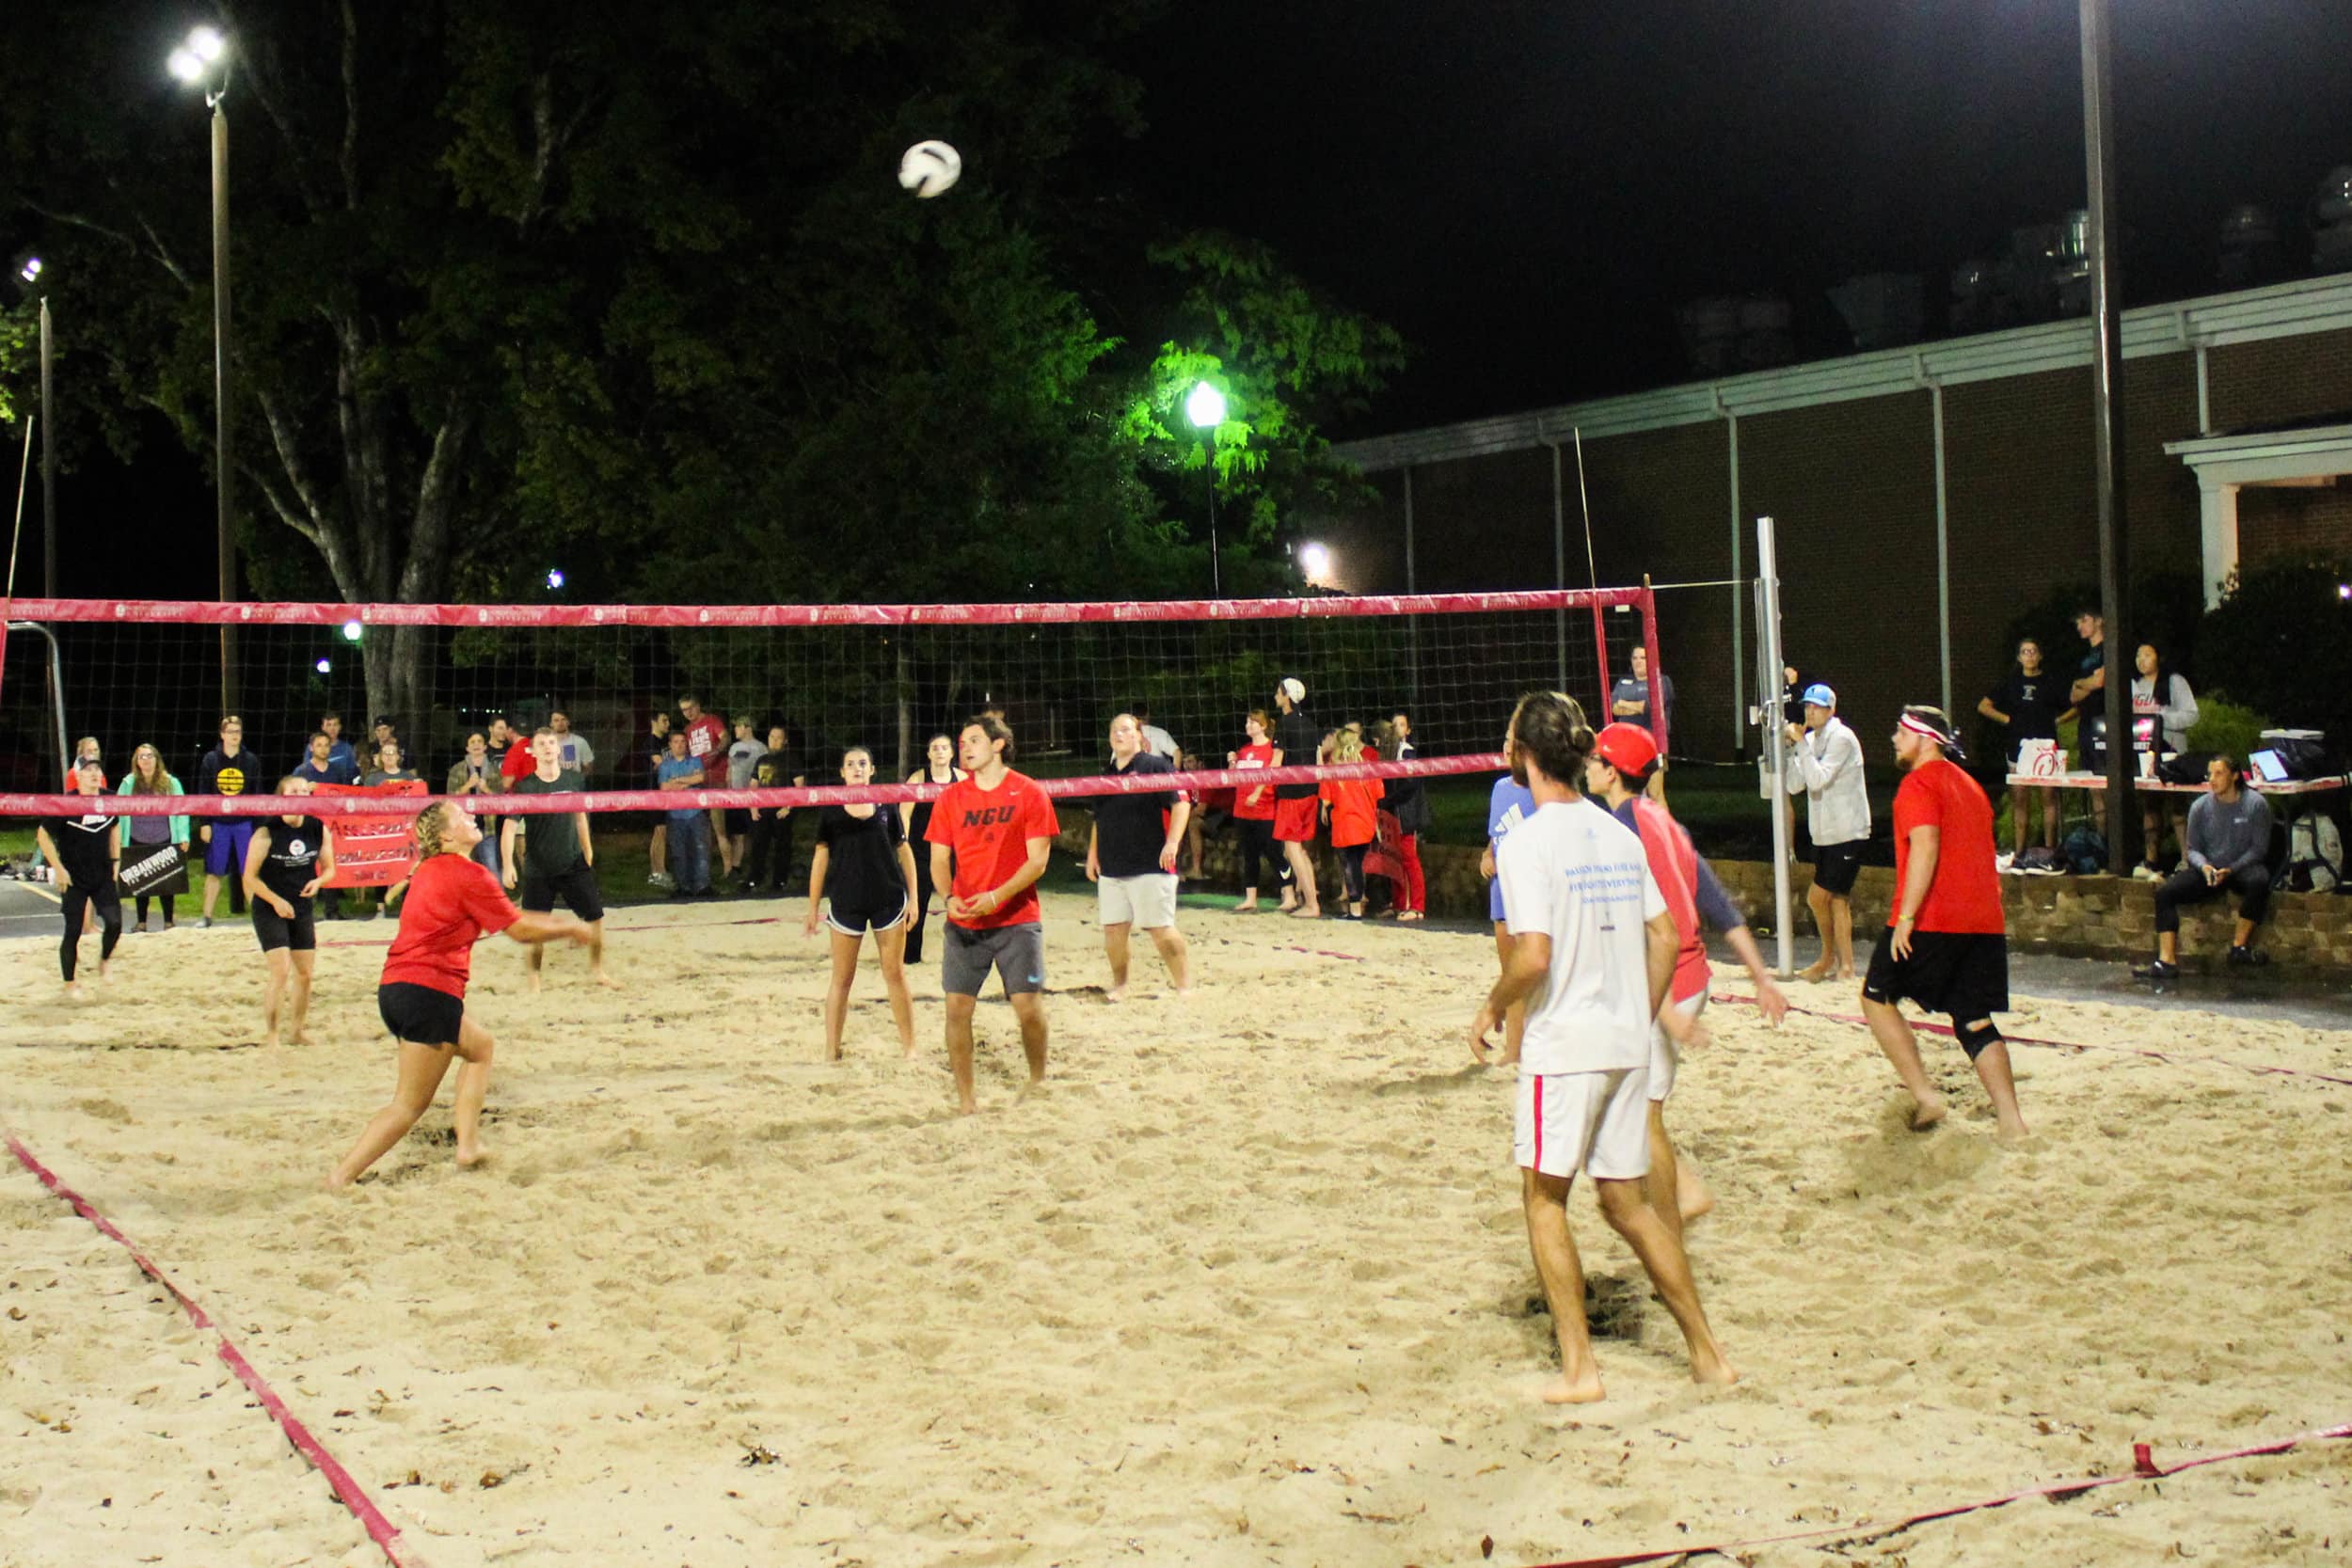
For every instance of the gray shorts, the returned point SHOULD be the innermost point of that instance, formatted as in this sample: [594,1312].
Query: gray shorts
[1016,953]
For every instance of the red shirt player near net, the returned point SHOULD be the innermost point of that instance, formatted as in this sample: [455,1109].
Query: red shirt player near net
[452,900]
[1000,829]
[1947,948]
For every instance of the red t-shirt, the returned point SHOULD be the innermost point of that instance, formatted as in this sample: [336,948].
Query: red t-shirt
[706,743]
[989,831]
[450,901]
[518,761]
[1966,893]
[1674,864]
[1355,819]
[1261,808]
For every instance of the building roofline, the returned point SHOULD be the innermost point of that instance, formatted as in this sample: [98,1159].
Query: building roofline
[2280,311]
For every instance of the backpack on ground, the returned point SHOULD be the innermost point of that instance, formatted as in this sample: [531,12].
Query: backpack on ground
[2315,854]
[2083,850]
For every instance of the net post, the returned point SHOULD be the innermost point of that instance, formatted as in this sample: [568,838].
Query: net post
[1560,566]
[1769,665]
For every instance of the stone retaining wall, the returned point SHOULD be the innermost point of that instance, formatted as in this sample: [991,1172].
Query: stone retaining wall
[2087,917]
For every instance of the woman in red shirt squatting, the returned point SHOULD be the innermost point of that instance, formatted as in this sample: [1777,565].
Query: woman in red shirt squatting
[422,997]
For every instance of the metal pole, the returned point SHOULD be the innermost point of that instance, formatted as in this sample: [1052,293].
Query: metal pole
[1768,716]
[57,688]
[223,457]
[1412,585]
[1738,633]
[48,465]
[1943,551]
[1216,575]
[1560,556]
[2107,375]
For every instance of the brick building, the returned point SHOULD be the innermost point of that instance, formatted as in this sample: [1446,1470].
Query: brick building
[1923,496]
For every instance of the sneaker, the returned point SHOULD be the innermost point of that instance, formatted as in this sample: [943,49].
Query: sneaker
[2005,862]
[663,880]
[2146,874]
[2041,861]
[2248,958]
[203,921]
[2156,970]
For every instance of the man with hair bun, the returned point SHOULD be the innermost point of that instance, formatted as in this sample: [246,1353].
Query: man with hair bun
[1592,951]
[1946,945]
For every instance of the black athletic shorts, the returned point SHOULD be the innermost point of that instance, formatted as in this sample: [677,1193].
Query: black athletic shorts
[856,920]
[419,1014]
[300,934]
[739,822]
[577,887]
[1836,866]
[1965,974]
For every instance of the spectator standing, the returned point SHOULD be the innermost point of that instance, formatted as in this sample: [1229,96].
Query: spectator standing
[707,744]
[143,836]
[690,826]
[320,766]
[1131,860]
[1408,800]
[1253,813]
[655,746]
[939,768]
[2026,706]
[1355,811]
[577,754]
[1156,741]
[1297,744]
[479,772]
[339,750]
[2162,700]
[2228,851]
[229,769]
[388,769]
[2082,696]
[1633,701]
[742,763]
[1827,765]
[770,862]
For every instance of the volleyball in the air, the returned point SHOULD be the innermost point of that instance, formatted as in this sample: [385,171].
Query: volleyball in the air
[931,169]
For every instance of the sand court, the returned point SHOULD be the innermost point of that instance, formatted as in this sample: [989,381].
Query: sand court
[1245,1283]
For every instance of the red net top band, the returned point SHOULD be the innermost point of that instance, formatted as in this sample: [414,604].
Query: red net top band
[365,804]
[202,613]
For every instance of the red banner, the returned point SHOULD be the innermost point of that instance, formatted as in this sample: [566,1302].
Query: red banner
[373,850]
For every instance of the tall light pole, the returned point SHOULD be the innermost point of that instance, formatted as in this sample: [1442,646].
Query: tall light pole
[1205,407]
[203,61]
[28,273]
[2107,368]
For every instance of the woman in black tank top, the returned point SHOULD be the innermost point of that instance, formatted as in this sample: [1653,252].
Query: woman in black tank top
[939,768]
[862,853]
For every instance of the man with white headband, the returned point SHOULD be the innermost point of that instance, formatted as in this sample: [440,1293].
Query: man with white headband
[1947,946]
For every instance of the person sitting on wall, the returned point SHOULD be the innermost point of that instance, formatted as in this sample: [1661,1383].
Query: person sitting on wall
[2228,847]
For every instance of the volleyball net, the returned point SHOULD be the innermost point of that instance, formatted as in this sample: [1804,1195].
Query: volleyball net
[886,677]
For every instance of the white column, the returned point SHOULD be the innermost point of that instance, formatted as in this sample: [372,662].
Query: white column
[2218,524]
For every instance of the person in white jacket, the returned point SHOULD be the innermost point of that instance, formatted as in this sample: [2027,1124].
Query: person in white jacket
[1825,762]
[2163,695]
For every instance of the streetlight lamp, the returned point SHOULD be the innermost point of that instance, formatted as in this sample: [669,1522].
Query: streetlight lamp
[1314,563]
[1205,407]
[203,61]
[28,273]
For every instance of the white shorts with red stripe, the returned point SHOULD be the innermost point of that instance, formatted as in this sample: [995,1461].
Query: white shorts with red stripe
[1598,1122]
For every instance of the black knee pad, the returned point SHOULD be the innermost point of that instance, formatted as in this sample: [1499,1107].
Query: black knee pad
[1975,1038]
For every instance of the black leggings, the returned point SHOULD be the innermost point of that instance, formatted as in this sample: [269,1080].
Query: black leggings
[922,900]
[2188,886]
[768,862]
[147,898]
[1256,844]
[1352,867]
[79,900]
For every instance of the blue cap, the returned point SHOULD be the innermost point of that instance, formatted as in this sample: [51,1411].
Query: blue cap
[1819,695]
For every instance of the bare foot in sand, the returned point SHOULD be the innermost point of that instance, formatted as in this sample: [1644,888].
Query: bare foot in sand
[1577,1390]
[1713,1371]
[1814,973]
[1306,912]
[469,1158]
[1692,1195]
[1926,1113]
[968,1108]
[269,1039]
[600,977]
[1115,993]
[302,1036]
[531,975]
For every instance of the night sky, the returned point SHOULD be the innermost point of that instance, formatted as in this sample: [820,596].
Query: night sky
[1528,190]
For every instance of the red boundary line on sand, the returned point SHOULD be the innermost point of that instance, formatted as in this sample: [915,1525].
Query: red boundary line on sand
[347,1490]
[2261,1069]
[2144,1467]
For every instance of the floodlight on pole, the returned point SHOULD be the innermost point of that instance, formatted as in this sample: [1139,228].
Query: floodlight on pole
[203,61]
[1316,561]
[351,631]
[29,270]
[1205,407]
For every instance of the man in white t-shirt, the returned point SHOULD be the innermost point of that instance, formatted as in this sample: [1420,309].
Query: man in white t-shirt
[571,749]
[1593,954]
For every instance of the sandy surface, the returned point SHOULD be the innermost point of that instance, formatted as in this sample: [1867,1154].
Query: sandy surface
[1246,1284]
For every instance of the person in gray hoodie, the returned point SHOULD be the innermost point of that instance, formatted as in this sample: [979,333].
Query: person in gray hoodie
[1825,765]
[2229,848]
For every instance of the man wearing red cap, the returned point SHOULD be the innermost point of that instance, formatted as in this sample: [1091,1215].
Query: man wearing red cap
[1624,758]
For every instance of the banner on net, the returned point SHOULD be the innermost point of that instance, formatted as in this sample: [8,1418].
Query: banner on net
[371,851]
